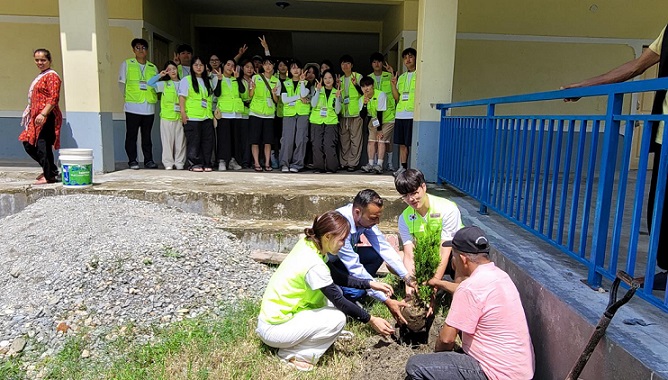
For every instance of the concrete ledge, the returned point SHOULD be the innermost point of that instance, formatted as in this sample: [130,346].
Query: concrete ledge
[562,311]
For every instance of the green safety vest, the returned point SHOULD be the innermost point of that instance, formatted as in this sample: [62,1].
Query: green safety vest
[230,100]
[417,225]
[168,100]
[352,108]
[402,88]
[385,85]
[372,107]
[287,292]
[263,102]
[194,100]
[323,102]
[297,107]
[133,77]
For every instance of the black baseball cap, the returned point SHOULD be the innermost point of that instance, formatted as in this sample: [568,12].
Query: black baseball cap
[469,240]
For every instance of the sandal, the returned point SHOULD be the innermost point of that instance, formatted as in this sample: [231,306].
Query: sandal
[196,169]
[300,365]
[257,168]
[208,170]
[268,168]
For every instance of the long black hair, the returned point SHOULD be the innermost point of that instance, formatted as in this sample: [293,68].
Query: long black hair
[205,75]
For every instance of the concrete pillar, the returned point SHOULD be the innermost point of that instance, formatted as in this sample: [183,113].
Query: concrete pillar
[436,37]
[84,39]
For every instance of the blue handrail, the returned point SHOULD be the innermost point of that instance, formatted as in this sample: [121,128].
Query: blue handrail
[565,178]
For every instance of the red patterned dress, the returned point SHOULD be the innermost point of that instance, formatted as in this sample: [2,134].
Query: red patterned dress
[45,89]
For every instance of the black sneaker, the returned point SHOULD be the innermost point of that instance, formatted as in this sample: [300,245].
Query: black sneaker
[150,165]
[134,165]
[351,169]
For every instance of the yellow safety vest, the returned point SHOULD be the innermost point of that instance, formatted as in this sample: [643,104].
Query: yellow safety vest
[403,87]
[136,79]
[437,208]
[325,103]
[195,106]
[263,102]
[287,292]
[169,100]
[230,100]
[297,107]
[352,108]
[372,107]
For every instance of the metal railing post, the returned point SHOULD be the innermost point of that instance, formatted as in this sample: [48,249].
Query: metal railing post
[605,188]
[487,154]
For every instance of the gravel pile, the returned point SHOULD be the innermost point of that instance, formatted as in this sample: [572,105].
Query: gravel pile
[91,263]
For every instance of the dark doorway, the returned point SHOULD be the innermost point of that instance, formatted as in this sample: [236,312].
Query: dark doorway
[305,46]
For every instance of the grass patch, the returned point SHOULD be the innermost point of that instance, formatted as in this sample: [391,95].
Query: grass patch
[10,369]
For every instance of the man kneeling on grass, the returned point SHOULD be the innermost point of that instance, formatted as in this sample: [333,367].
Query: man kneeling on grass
[487,311]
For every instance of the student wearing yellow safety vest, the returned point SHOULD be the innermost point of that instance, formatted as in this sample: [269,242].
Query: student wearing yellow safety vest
[195,100]
[183,58]
[381,123]
[296,112]
[382,81]
[230,109]
[350,129]
[427,213]
[324,119]
[295,315]
[171,129]
[283,74]
[403,90]
[264,91]
[243,150]
[140,100]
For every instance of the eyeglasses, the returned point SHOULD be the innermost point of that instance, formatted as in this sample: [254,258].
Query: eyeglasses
[140,48]
[409,196]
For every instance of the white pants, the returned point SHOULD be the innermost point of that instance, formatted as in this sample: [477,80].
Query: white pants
[306,336]
[173,143]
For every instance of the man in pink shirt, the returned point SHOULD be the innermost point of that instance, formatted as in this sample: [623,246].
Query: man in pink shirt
[486,309]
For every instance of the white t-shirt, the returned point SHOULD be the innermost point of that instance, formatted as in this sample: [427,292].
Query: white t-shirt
[452,222]
[145,108]
[184,87]
[407,83]
[318,276]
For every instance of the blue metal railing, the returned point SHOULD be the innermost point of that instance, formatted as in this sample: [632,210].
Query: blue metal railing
[565,178]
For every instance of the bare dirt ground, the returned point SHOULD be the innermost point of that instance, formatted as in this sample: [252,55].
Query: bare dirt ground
[384,359]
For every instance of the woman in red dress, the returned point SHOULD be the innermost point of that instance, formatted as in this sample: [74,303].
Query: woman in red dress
[42,118]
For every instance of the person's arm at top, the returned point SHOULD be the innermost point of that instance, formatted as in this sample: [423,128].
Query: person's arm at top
[621,73]
[337,105]
[240,54]
[303,90]
[153,82]
[395,82]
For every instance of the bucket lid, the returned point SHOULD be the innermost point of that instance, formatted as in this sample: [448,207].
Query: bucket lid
[76,152]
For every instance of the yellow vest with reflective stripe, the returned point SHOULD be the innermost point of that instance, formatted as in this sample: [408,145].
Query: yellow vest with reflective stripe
[168,100]
[437,207]
[263,102]
[194,108]
[351,109]
[332,117]
[403,86]
[230,100]
[298,107]
[372,107]
[385,85]
[287,292]
[133,75]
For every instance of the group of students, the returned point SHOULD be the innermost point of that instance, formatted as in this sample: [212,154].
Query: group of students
[242,113]
[305,304]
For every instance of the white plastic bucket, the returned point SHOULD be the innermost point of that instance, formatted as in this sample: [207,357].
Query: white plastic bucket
[76,167]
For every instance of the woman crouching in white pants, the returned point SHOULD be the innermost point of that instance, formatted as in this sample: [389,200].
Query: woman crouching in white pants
[295,315]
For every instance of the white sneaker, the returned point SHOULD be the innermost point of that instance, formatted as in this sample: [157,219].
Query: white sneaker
[221,166]
[399,171]
[294,170]
[234,165]
[285,169]
[367,168]
[169,167]
[377,169]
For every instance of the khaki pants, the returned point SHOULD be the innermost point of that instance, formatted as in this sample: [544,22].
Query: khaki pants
[173,143]
[350,131]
